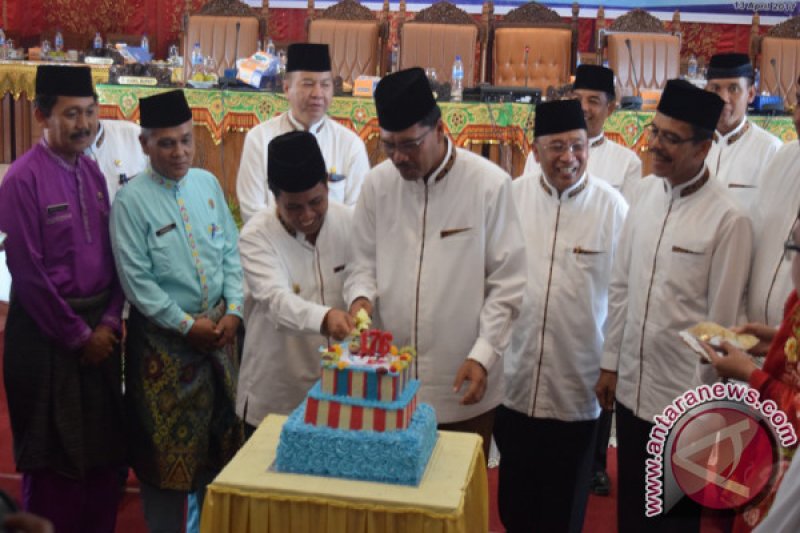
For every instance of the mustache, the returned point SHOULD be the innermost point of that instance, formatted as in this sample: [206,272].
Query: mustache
[660,154]
[81,133]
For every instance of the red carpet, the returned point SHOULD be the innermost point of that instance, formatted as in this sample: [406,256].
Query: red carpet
[600,515]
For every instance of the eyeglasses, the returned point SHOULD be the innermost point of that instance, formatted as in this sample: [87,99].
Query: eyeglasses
[788,248]
[665,137]
[559,149]
[405,147]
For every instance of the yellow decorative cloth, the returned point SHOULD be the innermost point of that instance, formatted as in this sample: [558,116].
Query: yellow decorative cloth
[248,496]
[17,77]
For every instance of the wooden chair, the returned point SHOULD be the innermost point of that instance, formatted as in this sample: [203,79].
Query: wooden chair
[777,56]
[440,32]
[214,27]
[654,51]
[356,38]
[551,46]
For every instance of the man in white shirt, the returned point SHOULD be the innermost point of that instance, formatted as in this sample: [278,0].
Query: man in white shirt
[438,247]
[609,161]
[683,257]
[294,259]
[773,218]
[741,149]
[545,426]
[117,151]
[309,90]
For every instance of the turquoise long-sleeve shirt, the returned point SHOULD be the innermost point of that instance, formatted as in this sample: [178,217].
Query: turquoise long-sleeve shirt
[175,246]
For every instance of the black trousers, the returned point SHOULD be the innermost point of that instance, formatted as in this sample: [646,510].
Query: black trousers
[632,436]
[601,443]
[544,472]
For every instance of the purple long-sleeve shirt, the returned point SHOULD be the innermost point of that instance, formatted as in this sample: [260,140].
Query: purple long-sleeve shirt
[58,245]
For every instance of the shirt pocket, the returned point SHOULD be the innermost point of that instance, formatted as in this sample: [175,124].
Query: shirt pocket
[59,237]
[457,233]
[589,259]
[688,267]
[336,189]
[164,243]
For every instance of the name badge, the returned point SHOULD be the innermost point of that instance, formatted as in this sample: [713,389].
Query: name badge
[165,229]
[334,178]
[56,208]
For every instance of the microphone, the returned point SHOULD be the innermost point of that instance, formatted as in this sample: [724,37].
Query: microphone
[525,63]
[633,102]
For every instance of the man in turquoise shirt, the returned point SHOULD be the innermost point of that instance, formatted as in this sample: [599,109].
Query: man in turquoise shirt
[175,246]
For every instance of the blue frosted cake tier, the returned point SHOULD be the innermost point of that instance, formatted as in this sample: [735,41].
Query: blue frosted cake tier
[398,457]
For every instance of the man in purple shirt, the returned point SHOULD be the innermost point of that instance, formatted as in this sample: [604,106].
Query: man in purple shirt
[62,364]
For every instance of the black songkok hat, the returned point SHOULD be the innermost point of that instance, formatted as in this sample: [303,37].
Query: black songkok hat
[558,116]
[402,99]
[309,57]
[294,162]
[730,66]
[683,101]
[595,78]
[59,80]
[164,110]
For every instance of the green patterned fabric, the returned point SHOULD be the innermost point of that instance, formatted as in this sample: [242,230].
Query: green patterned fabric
[221,111]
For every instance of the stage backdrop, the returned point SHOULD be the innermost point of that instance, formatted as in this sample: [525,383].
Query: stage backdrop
[708,26]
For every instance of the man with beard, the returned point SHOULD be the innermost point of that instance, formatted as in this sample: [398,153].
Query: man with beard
[309,91]
[61,362]
[438,247]
[609,161]
[741,149]
[546,424]
[773,218]
[683,258]
[174,242]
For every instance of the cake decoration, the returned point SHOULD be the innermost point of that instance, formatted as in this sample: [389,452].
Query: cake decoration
[362,416]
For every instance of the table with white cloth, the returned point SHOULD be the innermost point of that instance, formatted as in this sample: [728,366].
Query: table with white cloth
[250,496]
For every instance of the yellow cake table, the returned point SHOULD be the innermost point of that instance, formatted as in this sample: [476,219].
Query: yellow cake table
[248,496]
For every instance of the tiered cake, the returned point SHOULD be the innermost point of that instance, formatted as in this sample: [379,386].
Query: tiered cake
[361,420]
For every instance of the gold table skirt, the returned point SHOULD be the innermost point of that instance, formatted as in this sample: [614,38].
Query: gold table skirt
[247,496]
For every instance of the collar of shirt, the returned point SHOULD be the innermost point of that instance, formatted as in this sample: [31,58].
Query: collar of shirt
[63,163]
[299,236]
[568,193]
[444,167]
[91,151]
[164,182]
[594,142]
[732,136]
[690,187]
[314,128]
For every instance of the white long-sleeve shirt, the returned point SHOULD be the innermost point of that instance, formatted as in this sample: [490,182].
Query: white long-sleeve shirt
[343,151]
[292,284]
[554,359]
[117,150]
[738,158]
[609,161]
[444,262]
[683,258]
[777,206]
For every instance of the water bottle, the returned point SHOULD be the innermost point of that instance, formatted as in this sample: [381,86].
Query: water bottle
[270,48]
[58,41]
[757,80]
[197,59]
[98,43]
[145,43]
[3,52]
[395,63]
[691,70]
[457,90]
